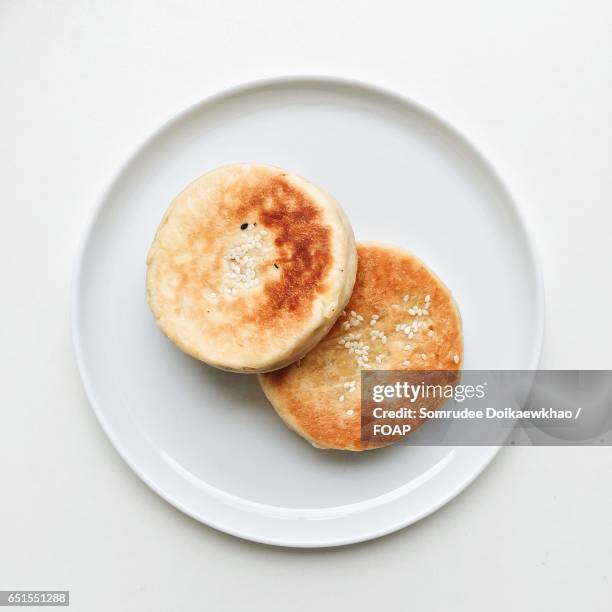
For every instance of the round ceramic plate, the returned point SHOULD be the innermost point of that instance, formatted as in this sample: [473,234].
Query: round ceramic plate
[208,441]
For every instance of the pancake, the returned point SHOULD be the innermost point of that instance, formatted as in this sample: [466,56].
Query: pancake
[250,267]
[400,317]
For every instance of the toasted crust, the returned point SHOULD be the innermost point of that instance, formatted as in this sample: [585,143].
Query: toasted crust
[307,394]
[265,313]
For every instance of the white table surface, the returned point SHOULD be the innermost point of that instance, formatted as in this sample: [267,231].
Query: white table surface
[83,82]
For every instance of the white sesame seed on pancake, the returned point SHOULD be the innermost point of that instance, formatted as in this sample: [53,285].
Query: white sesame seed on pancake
[250,267]
[400,317]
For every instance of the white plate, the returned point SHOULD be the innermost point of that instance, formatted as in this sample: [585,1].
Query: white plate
[207,441]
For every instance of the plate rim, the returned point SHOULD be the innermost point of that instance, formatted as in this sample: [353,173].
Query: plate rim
[488,452]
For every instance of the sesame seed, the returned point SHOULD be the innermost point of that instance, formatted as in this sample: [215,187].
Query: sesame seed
[427,298]
[405,362]
[406,298]
[410,335]
[430,333]
[396,306]
[350,412]
[407,347]
[353,313]
[341,398]
[456,358]
[423,356]
[375,317]
[240,266]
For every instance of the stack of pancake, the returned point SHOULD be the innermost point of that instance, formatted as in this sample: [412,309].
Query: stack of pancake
[253,269]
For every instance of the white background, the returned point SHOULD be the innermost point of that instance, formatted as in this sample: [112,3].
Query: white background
[82,83]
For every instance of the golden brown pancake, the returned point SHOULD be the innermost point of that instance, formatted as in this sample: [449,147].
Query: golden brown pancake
[250,267]
[400,317]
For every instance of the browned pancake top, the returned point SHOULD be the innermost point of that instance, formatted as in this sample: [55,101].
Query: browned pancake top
[390,283]
[188,261]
